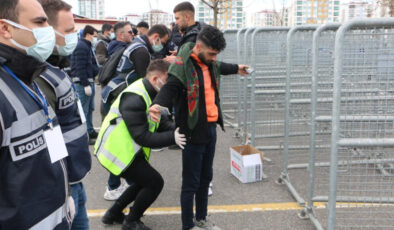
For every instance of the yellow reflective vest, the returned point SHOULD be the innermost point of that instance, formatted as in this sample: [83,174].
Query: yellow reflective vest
[115,148]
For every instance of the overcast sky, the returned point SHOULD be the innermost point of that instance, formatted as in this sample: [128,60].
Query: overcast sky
[121,7]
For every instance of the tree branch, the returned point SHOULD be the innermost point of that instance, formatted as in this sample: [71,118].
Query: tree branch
[206,3]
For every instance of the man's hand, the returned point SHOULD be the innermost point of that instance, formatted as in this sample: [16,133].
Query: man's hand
[155,112]
[88,90]
[242,70]
[173,52]
[170,59]
[180,139]
[71,206]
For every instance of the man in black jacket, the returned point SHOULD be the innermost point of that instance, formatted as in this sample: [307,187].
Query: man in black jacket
[84,68]
[193,88]
[146,182]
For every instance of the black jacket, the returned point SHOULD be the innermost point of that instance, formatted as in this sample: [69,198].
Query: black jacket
[133,110]
[191,33]
[174,94]
[83,62]
[140,57]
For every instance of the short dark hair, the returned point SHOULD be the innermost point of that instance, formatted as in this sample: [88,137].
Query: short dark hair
[9,10]
[52,8]
[158,65]
[106,27]
[88,30]
[119,26]
[160,29]
[184,6]
[143,24]
[212,37]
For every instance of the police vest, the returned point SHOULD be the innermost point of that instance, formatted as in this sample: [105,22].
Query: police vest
[125,71]
[115,148]
[74,131]
[33,190]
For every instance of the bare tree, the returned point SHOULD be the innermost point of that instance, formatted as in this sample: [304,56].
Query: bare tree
[218,7]
[386,5]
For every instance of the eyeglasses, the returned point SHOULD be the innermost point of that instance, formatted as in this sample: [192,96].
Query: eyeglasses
[130,32]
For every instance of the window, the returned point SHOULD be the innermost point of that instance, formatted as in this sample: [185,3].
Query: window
[299,13]
[336,13]
[336,8]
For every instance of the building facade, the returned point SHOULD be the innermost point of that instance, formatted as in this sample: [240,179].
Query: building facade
[266,18]
[154,17]
[314,11]
[356,9]
[94,9]
[232,15]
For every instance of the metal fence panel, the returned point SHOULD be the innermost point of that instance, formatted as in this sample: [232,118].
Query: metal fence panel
[229,95]
[268,87]
[362,140]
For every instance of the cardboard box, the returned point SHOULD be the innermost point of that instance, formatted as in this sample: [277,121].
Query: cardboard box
[246,163]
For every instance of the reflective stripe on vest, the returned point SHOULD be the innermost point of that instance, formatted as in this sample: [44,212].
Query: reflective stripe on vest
[115,148]
[53,220]
[124,69]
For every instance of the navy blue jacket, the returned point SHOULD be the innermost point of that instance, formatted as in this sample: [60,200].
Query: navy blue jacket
[114,46]
[83,63]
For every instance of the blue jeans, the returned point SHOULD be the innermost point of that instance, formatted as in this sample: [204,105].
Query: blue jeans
[87,104]
[81,221]
[113,181]
[197,172]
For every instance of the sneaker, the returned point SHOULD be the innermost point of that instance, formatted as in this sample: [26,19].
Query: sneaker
[112,218]
[206,224]
[134,225]
[115,193]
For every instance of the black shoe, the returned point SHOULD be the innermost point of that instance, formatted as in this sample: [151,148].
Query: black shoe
[134,225]
[112,218]
[93,135]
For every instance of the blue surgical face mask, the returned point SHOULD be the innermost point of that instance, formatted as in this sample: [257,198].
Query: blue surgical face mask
[157,47]
[45,37]
[94,42]
[112,36]
[71,43]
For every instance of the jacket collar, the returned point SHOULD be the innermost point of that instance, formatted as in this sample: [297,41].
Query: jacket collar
[25,67]
[151,91]
[147,43]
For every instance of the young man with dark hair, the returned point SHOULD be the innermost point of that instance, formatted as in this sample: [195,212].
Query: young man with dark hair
[123,147]
[61,95]
[184,19]
[33,182]
[104,38]
[123,36]
[193,88]
[84,69]
[142,28]
[132,66]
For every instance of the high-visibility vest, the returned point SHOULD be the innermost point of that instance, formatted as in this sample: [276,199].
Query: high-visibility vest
[33,190]
[74,131]
[115,148]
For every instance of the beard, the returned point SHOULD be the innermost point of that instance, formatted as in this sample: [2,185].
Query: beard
[203,60]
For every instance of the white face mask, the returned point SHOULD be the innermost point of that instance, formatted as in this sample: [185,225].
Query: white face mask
[112,36]
[157,87]
[71,43]
[45,37]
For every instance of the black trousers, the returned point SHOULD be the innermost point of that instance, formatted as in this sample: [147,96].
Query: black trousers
[146,185]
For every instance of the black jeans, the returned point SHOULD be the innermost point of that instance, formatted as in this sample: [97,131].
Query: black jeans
[197,172]
[146,185]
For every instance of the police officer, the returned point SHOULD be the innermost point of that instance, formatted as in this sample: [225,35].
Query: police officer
[125,141]
[33,177]
[62,96]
